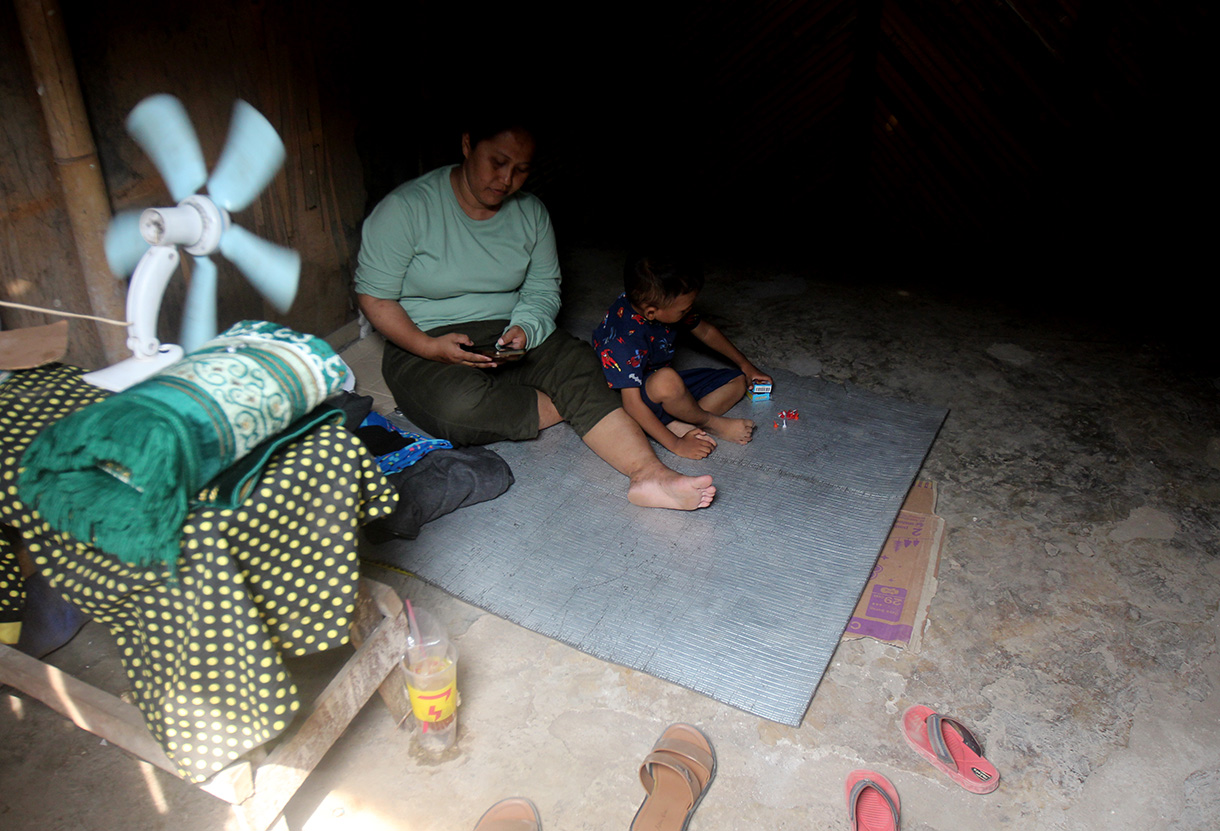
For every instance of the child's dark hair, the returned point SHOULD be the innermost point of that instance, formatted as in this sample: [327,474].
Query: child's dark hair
[656,280]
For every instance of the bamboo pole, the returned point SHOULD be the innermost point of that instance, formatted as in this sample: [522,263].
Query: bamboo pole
[80,173]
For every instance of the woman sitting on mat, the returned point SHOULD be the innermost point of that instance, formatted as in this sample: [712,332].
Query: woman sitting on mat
[458,260]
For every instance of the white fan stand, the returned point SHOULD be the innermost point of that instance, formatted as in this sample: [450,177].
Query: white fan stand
[196,224]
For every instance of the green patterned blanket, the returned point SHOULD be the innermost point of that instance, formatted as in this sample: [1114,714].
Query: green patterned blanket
[121,473]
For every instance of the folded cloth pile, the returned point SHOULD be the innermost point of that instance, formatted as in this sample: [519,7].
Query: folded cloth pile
[438,484]
[432,477]
[121,473]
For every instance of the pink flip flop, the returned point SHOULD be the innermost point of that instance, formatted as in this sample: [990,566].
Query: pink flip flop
[872,802]
[954,750]
[513,814]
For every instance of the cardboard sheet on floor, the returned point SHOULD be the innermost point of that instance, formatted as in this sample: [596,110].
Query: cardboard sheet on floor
[744,601]
[894,606]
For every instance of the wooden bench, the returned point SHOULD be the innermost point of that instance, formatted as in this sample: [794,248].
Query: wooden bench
[260,785]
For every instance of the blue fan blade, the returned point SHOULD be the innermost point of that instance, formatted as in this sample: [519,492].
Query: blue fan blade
[124,244]
[199,314]
[160,125]
[273,270]
[253,154]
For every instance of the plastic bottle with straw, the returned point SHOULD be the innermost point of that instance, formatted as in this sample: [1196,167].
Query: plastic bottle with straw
[431,665]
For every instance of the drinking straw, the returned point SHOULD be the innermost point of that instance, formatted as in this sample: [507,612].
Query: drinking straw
[419,636]
[419,643]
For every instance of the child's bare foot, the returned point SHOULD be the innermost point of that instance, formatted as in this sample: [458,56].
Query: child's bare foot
[740,430]
[665,488]
[679,428]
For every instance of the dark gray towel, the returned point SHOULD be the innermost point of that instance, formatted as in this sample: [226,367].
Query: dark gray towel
[356,408]
[439,483]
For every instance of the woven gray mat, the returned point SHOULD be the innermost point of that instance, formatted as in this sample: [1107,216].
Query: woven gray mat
[743,601]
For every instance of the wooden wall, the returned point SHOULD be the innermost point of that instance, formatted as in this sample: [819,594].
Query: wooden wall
[273,55]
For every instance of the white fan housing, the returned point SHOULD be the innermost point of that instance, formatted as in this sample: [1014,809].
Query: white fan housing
[147,242]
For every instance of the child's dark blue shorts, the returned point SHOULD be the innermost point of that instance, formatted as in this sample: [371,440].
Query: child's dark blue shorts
[699,382]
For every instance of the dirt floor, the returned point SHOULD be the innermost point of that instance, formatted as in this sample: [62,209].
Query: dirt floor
[1074,626]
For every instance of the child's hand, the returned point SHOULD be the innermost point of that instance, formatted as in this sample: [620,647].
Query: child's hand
[695,445]
[753,374]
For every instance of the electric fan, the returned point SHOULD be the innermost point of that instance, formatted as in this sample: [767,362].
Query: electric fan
[147,242]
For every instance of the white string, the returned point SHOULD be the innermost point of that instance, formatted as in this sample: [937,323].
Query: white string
[64,314]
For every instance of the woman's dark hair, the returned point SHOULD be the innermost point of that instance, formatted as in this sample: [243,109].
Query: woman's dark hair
[654,280]
[490,121]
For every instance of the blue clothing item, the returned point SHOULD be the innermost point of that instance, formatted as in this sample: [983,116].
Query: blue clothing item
[699,382]
[404,457]
[630,346]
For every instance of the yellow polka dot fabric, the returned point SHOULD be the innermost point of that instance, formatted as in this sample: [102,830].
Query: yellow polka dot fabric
[29,401]
[12,593]
[275,576]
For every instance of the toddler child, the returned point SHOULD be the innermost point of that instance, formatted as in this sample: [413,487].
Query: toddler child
[683,410]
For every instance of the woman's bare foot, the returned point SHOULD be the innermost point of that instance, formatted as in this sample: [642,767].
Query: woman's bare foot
[665,488]
[739,430]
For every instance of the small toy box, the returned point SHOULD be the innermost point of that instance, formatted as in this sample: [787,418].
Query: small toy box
[760,391]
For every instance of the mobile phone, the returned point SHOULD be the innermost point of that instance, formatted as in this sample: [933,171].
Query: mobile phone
[496,352]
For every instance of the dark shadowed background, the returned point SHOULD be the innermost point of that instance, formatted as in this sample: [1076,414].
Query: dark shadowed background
[1049,153]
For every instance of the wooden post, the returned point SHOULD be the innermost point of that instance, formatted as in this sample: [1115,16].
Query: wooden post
[80,173]
[375,603]
[277,778]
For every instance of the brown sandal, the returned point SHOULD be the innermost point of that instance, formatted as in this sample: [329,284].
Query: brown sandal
[676,775]
[513,814]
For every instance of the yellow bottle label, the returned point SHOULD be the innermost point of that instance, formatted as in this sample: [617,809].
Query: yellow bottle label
[433,705]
